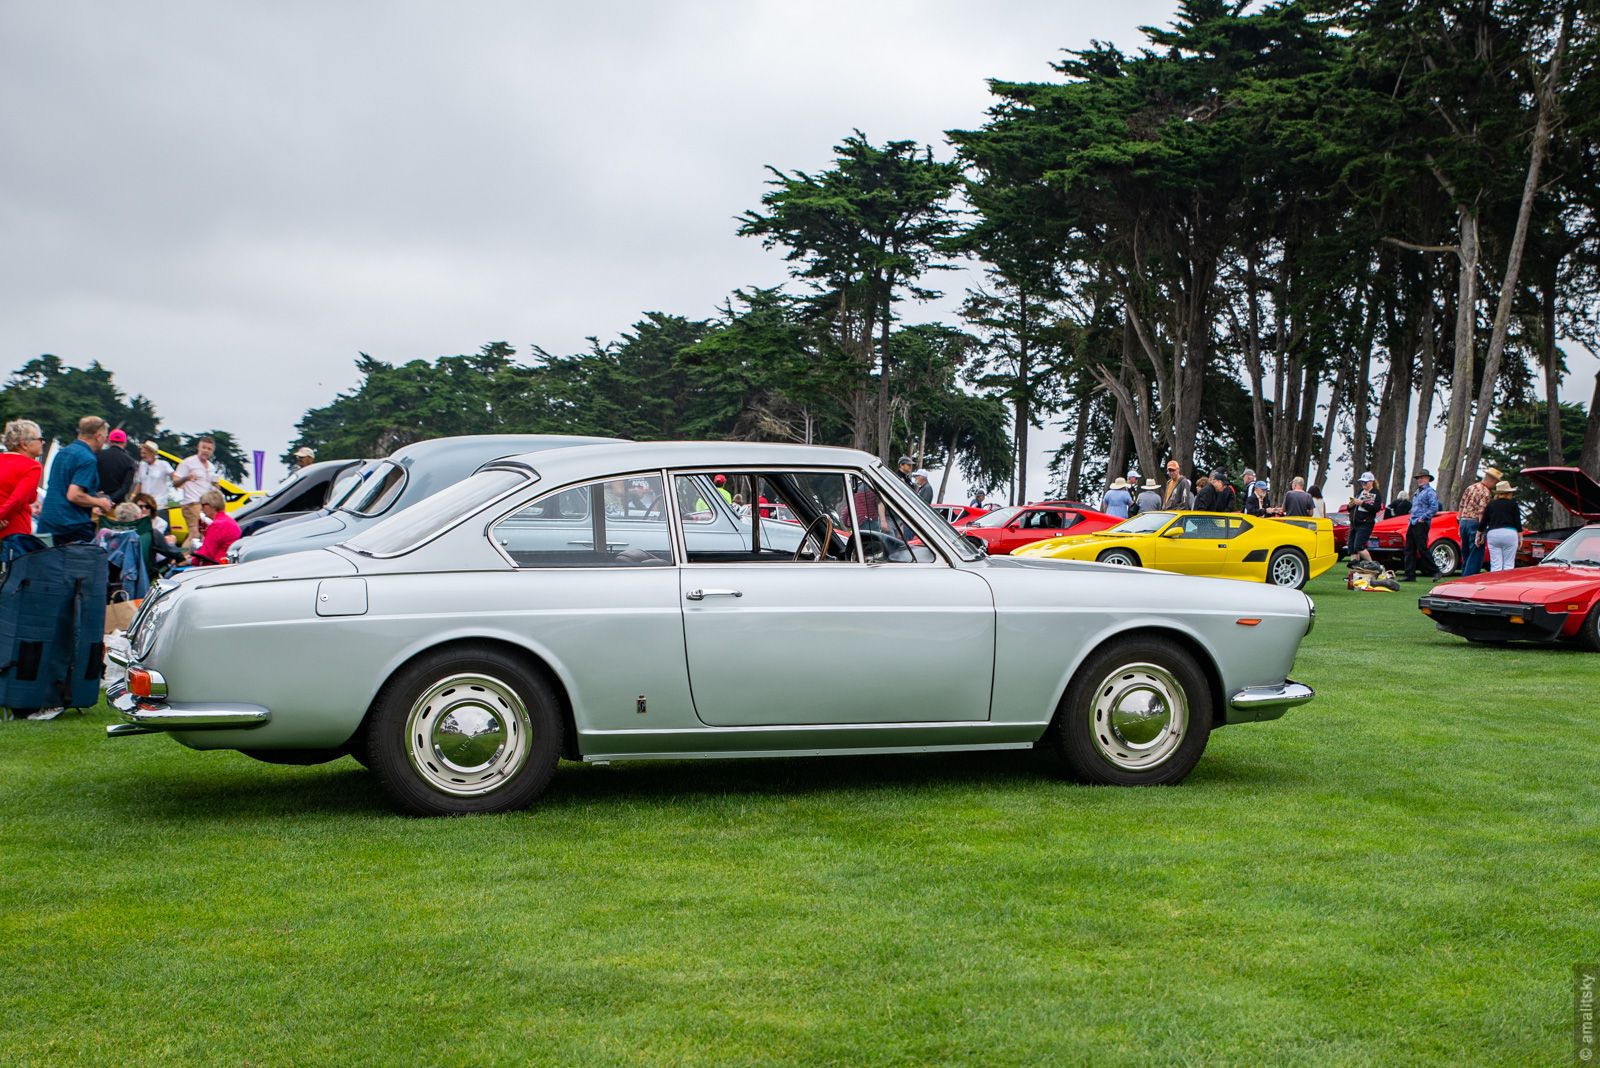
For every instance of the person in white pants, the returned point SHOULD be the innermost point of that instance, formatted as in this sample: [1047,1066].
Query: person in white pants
[1502,528]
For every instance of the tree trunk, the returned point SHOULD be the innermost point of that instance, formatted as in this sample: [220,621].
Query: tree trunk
[1079,441]
[1519,239]
[949,462]
[1427,379]
[1450,464]
[1555,450]
[1589,458]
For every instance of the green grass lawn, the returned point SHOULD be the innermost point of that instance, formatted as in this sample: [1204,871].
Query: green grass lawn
[1404,871]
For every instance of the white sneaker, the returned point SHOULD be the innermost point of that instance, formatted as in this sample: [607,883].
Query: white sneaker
[47,713]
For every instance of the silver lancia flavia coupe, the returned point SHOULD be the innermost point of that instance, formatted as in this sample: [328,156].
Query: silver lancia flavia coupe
[690,600]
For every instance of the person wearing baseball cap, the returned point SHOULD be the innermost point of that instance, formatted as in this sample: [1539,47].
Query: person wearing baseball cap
[117,467]
[1364,509]
[902,467]
[304,456]
[1424,506]
[1469,518]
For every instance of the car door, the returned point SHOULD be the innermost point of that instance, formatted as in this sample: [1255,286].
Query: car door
[1194,544]
[772,640]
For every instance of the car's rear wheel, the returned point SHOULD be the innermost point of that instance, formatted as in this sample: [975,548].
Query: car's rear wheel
[1137,713]
[1288,568]
[456,733]
[1121,557]
[1446,557]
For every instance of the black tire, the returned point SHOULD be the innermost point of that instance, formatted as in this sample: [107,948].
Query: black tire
[1446,557]
[1589,634]
[1089,738]
[499,721]
[1121,557]
[356,748]
[294,757]
[1291,565]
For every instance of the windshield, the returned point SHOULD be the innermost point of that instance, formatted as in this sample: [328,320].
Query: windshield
[420,523]
[1581,549]
[997,519]
[1143,523]
[377,489]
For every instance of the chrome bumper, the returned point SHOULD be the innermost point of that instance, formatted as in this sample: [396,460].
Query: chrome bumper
[146,715]
[1267,702]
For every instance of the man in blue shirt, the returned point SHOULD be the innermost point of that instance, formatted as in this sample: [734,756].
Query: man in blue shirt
[73,492]
[1424,506]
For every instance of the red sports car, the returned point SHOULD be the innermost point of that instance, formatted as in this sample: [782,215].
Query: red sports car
[1008,529]
[1557,600]
[957,514]
[1388,542]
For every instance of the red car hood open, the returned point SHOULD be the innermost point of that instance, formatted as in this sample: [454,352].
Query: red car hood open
[1524,585]
[1572,488]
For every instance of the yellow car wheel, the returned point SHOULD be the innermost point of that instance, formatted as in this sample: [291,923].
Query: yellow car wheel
[1288,568]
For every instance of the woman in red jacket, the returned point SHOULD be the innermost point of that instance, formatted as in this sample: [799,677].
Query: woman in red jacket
[19,476]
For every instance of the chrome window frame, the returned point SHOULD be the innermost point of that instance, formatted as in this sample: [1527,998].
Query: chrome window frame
[661,472]
[405,479]
[941,558]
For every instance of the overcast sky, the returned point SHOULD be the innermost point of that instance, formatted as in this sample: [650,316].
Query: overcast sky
[225,203]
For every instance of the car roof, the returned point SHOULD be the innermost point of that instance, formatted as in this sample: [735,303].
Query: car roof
[435,449]
[600,459]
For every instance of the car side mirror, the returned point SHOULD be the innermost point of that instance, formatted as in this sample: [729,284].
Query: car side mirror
[1172,532]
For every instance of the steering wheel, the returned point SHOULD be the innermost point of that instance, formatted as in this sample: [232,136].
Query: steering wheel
[823,524]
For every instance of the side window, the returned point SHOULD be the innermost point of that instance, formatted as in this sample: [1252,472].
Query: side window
[782,517]
[885,536]
[1206,528]
[613,523]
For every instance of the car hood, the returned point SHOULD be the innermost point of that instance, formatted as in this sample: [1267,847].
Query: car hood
[317,563]
[1572,488]
[1045,563]
[1524,585]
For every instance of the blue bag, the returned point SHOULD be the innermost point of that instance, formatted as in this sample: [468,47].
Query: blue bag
[52,626]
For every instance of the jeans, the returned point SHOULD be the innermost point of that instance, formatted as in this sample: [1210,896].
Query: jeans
[1471,551]
[1503,543]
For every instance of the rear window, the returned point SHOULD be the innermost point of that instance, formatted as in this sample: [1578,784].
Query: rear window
[419,524]
[379,487]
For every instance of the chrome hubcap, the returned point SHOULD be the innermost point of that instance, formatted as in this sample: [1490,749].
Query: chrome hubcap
[1121,559]
[1286,571]
[1139,716]
[468,734]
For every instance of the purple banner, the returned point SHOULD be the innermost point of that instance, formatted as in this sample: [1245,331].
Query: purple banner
[261,463]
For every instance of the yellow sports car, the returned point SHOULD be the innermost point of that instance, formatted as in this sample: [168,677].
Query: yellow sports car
[1284,552]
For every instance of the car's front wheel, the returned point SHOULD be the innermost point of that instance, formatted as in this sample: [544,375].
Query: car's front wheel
[1120,557]
[1589,633]
[1137,713]
[1288,568]
[456,733]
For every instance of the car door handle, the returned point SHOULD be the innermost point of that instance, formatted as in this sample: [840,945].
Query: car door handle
[700,595]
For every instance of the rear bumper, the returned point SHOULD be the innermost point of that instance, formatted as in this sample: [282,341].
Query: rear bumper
[156,715]
[1255,703]
[1493,621]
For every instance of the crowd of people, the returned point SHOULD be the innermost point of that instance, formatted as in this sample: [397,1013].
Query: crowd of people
[1489,518]
[95,485]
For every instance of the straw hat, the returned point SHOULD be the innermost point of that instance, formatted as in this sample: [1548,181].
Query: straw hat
[1120,483]
[1150,484]
[1503,489]
[1493,472]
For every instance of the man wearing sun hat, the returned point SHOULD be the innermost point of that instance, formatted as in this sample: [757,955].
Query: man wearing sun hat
[1424,506]
[1470,517]
[1118,498]
[117,467]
